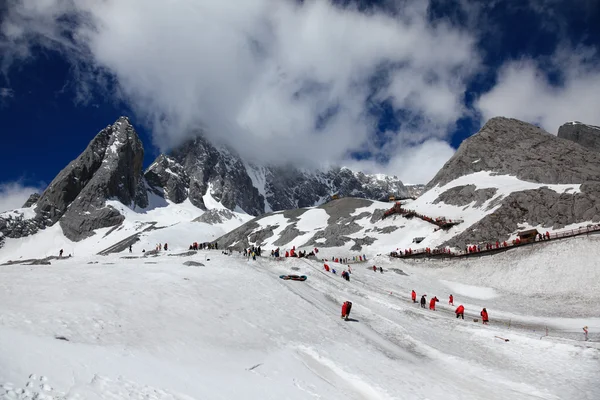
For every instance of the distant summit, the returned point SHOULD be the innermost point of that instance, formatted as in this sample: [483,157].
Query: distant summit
[512,147]
[587,136]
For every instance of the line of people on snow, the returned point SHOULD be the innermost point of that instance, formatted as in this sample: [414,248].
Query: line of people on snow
[204,246]
[460,310]
[347,260]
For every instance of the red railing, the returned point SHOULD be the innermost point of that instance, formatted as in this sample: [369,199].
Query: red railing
[492,247]
[440,222]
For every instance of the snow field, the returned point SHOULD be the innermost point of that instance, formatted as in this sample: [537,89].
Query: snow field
[142,327]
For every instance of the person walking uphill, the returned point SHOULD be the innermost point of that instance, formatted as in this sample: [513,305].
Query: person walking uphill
[423,301]
[346,307]
[484,316]
[451,300]
[413,295]
[432,303]
[460,312]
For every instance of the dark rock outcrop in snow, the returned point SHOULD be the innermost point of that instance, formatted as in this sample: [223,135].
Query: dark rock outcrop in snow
[540,207]
[215,216]
[197,165]
[587,136]
[340,225]
[509,146]
[464,195]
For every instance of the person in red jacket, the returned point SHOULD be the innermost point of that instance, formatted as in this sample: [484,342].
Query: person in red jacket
[432,303]
[374,268]
[484,316]
[460,312]
[346,307]
[451,300]
[413,295]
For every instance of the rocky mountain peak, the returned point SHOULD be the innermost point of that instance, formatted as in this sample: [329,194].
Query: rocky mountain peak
[587,136]
[197,166]
[512,147]
[109,168]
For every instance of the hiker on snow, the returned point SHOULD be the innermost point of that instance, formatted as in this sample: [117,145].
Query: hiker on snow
[381,269]
[413,295]
[432,303]
[374,268]
[484,316]
[460,312]
[423,301]
[60,253]
[346,307]
[451,300]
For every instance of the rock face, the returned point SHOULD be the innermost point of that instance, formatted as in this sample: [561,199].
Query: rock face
[463,195]
[509,146]
[340,225]
[540,207]
[215,216]
[109,168]
[587,136]
[33,198]
[415,191]
[197,166]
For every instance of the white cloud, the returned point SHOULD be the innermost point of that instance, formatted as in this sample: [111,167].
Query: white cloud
[415,163]
[260,74]
[14,194]
[524,92]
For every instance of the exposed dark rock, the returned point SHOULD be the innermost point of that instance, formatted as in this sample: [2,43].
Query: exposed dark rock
[197,165]
[359,243]
[289,234]
[540,207]
[186,254]
[587,136]
[166,174]
[215,216]
[116,175]
[509,146]
[387,229]
[33,198]
[465,195]
[193,264]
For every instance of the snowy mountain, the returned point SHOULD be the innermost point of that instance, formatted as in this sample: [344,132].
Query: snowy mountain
[508,177]
[586,135]
[106,322]
[89,193]
[197,166]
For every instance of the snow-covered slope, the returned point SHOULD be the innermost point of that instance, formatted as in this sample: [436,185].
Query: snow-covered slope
[94,327]
[355,226]
[161,222]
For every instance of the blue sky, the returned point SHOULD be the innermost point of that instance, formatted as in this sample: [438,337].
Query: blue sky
[382,86]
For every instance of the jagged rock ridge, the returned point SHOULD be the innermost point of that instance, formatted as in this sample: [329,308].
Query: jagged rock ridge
[110,167]
[197,166]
